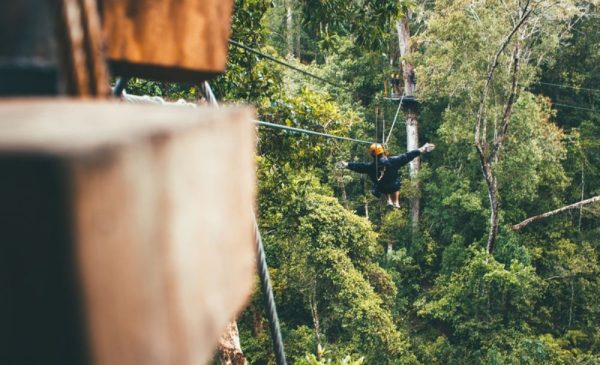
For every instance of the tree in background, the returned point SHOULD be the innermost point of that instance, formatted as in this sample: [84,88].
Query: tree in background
[504,50]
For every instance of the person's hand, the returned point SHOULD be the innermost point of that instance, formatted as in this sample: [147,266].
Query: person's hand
[341,164]
[427,147]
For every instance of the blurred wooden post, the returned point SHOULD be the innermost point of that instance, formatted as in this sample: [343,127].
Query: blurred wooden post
[81,49]
[126,231]
[171,40]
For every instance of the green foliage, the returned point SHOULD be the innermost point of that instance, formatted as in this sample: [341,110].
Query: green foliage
[406,274]
[327,271]
[435,297]
[304,341]
[313,360]
[483,297]
[308,110]
[369,22]
[534,154]
[354,312]
[327,224]
[248,77]
[394,229]
[169,91]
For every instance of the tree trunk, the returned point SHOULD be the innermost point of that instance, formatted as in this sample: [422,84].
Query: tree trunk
[258,322]
[298,41]
[412,143]
[342,186]
[289,22]
[230,350]
[404,44]
[489,152]
[365,199]
[494,214]
[412,125]
[315,315]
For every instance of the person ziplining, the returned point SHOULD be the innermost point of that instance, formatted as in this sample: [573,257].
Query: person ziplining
[383,171]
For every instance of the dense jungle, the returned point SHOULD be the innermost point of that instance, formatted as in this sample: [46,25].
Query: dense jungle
[508,91]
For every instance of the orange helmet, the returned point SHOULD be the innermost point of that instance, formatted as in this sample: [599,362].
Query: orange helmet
[376,149]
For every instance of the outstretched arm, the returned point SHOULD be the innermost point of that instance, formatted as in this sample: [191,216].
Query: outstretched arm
[427,147]
[354,166]
[405,158]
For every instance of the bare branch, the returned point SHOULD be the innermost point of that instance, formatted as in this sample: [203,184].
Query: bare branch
[492,69]
[483,148]
[499,142]
[527,221]
[570,275]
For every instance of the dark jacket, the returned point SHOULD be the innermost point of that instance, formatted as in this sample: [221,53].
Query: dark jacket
[384,173]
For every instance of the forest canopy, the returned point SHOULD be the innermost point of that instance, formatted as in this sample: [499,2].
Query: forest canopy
[509,93]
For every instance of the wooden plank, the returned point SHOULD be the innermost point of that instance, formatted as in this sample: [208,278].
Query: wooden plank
[71,36]
[83,65]
[94,46]
[157,204]
[174,40]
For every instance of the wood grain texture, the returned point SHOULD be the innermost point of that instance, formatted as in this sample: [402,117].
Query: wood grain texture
[183,36]
[160,201]
[82,63]
[94,45]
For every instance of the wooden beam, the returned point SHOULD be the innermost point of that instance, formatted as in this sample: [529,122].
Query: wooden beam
[129,236]
[82,62]
[171,40]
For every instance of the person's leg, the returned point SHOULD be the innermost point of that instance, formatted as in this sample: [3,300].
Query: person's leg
[389,199]
[396,199]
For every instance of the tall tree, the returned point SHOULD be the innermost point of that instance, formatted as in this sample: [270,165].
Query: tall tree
[412,124]
[511,39]
[289,28]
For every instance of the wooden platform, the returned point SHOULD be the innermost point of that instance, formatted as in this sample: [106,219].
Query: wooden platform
[126,233]
[171,40]
[407,101]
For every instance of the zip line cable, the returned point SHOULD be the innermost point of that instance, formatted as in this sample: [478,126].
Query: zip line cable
[263,270]
[383,126]
[576,107]
[377,112]
[269,299]
[213,102]
[394,122]
[262,267]
[568,86]
[283,63]
[306,131]
[297,69]
[306,73]
[120,86]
